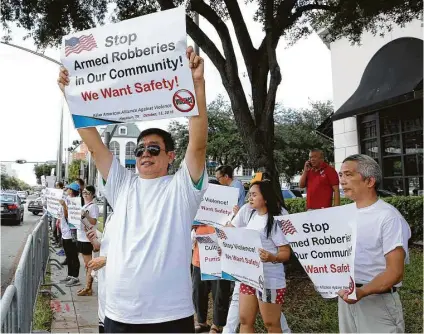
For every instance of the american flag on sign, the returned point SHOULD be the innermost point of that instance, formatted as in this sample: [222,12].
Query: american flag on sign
[221,234]
[286,226]
[205,240]
[79,44]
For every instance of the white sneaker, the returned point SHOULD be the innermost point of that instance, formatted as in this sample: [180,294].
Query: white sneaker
[73,282]
[66,279]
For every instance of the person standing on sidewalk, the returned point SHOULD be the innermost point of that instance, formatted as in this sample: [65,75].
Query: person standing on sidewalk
[148,272]
[380,256]
[321,181]
[69,244]
[98,264]
[225,177]
[220,290]
[90,213]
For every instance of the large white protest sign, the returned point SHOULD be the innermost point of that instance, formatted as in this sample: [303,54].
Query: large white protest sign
[216,208]
[131,71]
[210,260]
[324,242]
[240,259]
[74,212]
[51,180]
[53,196]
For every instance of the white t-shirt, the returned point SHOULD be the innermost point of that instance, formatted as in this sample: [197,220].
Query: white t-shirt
[274,276]
[101,273]
[148,273]
[64,227]
[380,229]
[93,211]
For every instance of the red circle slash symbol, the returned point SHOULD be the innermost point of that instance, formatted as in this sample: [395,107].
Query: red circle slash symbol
[183,100]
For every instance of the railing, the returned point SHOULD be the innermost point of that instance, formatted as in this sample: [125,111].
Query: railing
[19,299]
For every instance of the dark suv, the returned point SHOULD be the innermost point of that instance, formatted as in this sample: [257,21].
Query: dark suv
[12,208]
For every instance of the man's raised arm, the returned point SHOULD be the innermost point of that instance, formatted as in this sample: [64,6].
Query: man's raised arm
[90,136]
[195,156]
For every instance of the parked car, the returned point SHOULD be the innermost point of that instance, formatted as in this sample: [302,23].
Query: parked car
[380,193]
[288,194]
[12,208]
[35,206]
[22,194]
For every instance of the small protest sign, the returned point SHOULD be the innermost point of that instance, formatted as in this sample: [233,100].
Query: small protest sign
[216,208]
[53,196]
[131,71]
[210,260]
[74,212]
[240,259]
[324,242]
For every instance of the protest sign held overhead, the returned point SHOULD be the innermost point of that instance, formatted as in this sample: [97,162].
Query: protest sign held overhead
[240,259]
[74,212]
[324,242]
[53,196]
[216,208]
[131,71]
[210,260]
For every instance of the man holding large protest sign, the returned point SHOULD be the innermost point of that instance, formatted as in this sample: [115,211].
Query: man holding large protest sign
[381,251]
[148,272]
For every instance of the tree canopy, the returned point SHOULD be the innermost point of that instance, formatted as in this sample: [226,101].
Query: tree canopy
[13,183]
[47,21]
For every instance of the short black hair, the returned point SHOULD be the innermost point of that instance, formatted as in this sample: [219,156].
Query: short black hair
[91,189]
[166,136]
[225,170]
[59,184]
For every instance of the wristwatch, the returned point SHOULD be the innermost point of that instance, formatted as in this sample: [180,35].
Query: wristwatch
[276,260]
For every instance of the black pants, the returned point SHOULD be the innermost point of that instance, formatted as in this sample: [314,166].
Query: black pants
[71,253]
[220,295]
[185,325]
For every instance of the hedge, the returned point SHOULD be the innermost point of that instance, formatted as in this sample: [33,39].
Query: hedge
[411,208]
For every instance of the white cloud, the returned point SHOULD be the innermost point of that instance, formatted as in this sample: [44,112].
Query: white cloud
[31,101]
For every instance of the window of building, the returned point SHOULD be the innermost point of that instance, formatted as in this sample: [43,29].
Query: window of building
[394,138]
[247,171]
[129,151]
[114,148]
[123,130]
[130,167]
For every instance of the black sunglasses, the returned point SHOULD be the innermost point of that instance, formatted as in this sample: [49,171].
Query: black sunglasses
[154,150]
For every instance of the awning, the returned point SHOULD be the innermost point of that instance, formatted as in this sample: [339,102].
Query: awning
[394,75]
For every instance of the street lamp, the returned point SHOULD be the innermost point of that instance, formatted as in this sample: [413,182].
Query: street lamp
[59,151]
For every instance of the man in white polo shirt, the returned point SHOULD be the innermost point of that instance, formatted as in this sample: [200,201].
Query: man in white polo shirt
[148,280]
[381,252]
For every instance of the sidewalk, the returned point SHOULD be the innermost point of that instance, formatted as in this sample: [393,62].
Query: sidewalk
[72,313]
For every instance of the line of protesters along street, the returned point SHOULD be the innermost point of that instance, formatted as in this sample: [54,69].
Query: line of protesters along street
[172,239]
[354,252]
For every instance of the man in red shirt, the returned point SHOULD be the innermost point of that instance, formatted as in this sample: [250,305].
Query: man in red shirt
[321,181]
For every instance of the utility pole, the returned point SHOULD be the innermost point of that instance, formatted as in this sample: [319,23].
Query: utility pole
[59,152]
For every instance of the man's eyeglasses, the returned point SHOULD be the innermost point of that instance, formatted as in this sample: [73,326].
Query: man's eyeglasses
[154,150]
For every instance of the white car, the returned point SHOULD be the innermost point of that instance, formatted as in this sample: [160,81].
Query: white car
[22,194]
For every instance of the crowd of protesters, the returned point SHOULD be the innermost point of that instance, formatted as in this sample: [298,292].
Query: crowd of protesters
[145,283]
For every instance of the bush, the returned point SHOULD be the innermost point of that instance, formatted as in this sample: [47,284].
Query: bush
[411,208]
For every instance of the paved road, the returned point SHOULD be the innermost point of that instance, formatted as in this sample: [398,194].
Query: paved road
[13,239]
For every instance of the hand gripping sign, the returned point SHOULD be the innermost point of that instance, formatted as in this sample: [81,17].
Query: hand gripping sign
[324,242]
[135,70]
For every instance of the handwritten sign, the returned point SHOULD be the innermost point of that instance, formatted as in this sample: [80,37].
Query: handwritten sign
[53,196]
[216,208]
[240,259]
[74,212]
[324,243]
[131,71]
